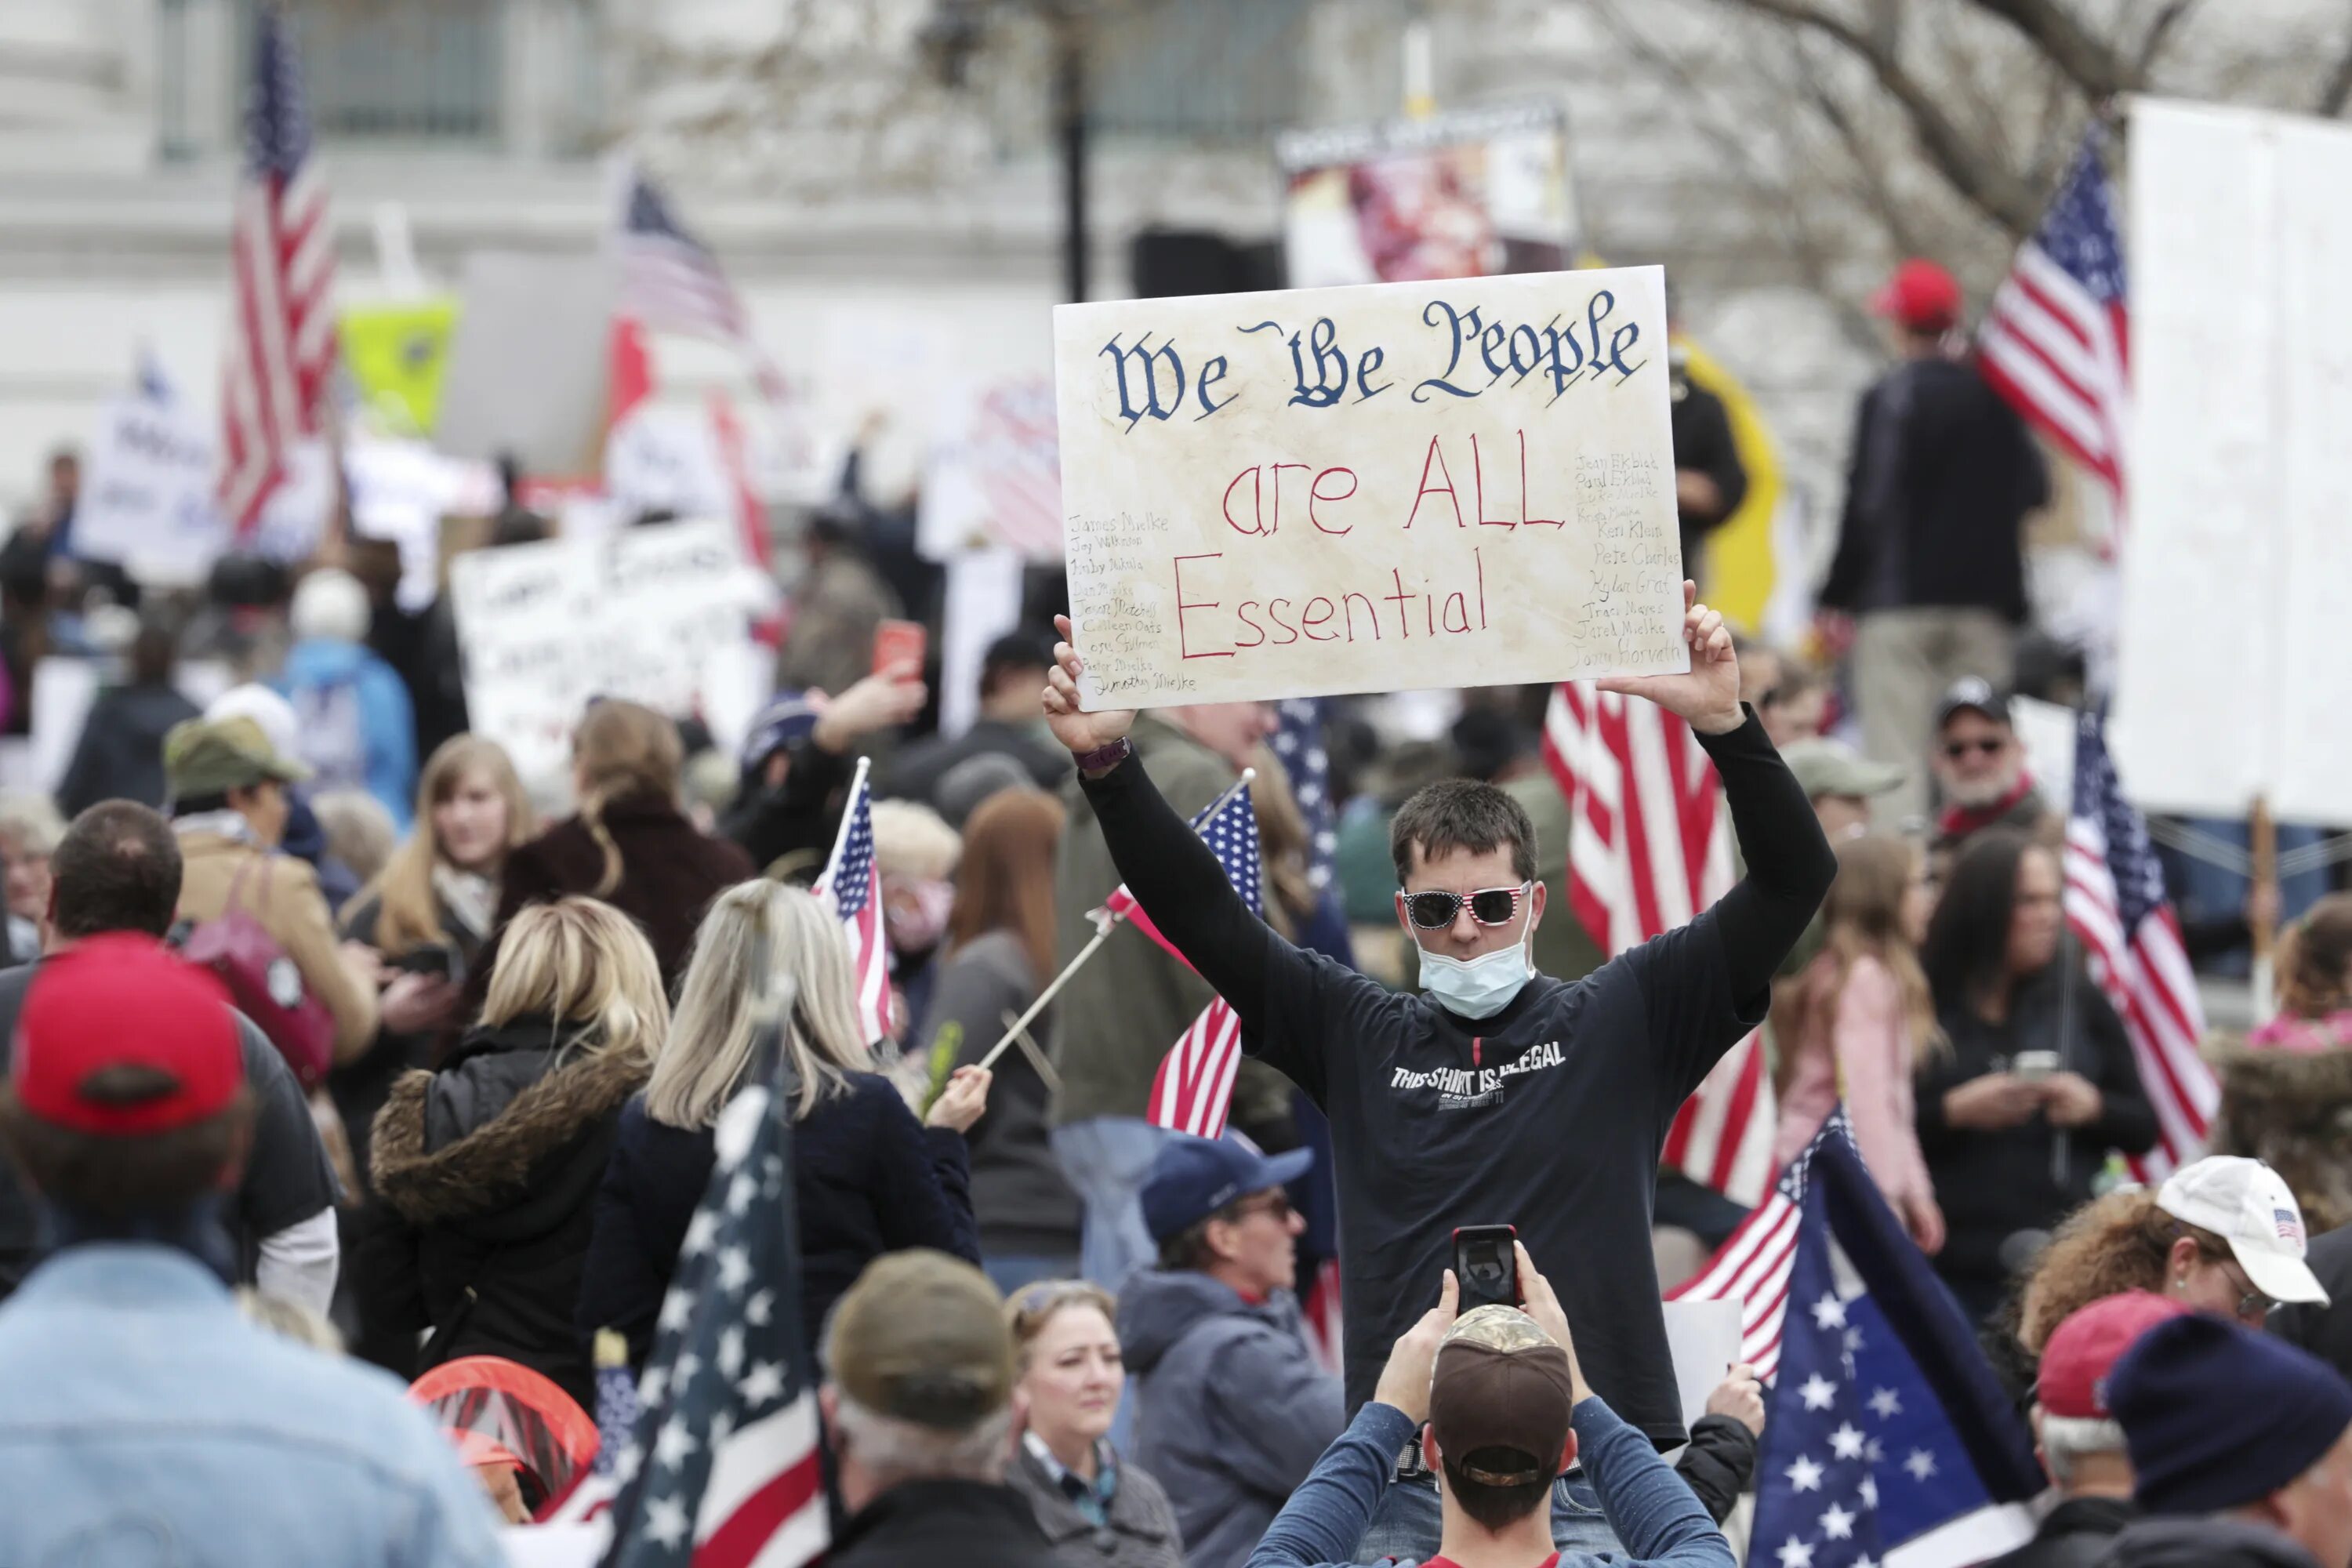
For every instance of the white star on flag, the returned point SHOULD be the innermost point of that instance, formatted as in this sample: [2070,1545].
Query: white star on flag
[1846,1442]
[1819,1392]
[1864,1560]
[740,1191]
[1873,1452]
[666,1521]
[734,1269]
[1885,1403]
[675,1444]
[1921,1464]
[1829,1312]
[1838,1524]
[1795,1553]
[730,1350]
[759,1308]
[676,1310]
[1870,1491]
[1853,1339]
[1805,1474]
[763,1382]
[700,1232]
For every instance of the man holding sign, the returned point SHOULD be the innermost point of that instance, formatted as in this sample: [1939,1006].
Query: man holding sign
[1499,1095]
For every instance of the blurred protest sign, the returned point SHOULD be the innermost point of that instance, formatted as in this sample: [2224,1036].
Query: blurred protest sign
[1469,193]
[400,490]
[996,479]
[147,500]
[1411,485]
[666,459]
[528,366]
[2232,663]
[659,615]
[396,355]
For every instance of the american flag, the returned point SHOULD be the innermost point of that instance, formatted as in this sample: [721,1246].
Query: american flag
[1017,452]
[591,1497]
[282,260]
[672,282]
[722,1470]
[1751,1267]
[1194,1086]
[1298,741]
[847,882]
[1890,1440]
[2056,342]
[2117,906]
[1649,847]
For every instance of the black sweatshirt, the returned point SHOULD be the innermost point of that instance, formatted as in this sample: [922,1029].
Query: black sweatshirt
[1548,1116]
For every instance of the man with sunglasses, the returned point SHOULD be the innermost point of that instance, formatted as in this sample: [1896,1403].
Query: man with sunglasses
[1980,765]
[1499,1095]
[1233,1409]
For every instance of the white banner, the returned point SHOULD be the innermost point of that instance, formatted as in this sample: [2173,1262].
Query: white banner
[147,499]
[659,615]
[1406,485]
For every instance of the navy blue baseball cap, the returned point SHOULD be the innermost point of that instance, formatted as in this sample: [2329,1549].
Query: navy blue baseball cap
[786,718]
[1194,1177]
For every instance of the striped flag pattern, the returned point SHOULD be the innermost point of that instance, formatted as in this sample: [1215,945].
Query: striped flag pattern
[672,282]
[847,882]
[2056,342]
[1649,847]
[2117,907]
[282,265]
[1194,1086]
[1752,1268]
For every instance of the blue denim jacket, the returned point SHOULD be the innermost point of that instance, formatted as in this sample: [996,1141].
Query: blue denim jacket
[142,1419]
[1654,1514]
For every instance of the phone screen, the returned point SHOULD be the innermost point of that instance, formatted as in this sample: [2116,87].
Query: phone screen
[1486,1267]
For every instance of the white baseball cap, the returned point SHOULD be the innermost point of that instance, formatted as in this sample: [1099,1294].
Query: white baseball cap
[2245,1201]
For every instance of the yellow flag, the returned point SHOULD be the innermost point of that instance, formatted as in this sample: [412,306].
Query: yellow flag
[395,354]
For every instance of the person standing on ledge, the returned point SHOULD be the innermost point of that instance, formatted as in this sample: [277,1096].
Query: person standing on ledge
[1497,1095]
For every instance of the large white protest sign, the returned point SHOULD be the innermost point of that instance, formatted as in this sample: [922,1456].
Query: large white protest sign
[658,615]
[2232,662]
[147,501]
[1457,483]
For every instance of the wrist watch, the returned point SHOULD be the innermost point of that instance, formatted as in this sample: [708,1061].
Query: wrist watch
[1102,759]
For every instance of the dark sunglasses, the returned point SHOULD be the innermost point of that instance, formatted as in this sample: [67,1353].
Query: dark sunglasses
[1275,1204]
[1956,750]
[1489,906]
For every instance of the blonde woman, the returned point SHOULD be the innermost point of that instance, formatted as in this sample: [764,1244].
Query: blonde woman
[868,1177]
[1097,1510]
[1862,1022]
[487,1168]
[629,843]
[426,915]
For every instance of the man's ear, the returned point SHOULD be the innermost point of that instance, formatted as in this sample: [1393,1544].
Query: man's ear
[1535,903]
[1429,1457]
[1568,1454]
[1404,920]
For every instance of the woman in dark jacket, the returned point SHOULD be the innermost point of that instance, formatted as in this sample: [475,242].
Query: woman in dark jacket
[1001,949]
[867,1178]
[629,844]
[486,1169]
[2018,1118]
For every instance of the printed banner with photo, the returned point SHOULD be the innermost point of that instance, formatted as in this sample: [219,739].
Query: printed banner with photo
[1471,193]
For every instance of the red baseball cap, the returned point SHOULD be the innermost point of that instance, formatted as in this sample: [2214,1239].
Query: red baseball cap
[1922,296]
[125,1001]
[2076,1360]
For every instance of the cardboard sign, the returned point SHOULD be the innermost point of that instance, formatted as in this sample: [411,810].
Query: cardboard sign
[1463,482]
[659,615]
[148,500]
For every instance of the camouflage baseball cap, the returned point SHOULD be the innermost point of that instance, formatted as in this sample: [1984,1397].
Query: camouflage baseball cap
[1500,1398]
[922,1338]
[212,756]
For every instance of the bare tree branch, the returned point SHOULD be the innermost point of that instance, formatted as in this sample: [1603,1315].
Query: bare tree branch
[2089,61]
[2159,33]
[1993,190]
[2338,88]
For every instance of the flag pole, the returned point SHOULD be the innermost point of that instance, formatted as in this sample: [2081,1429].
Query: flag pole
[2262,928]
[1109,924]
[841,834]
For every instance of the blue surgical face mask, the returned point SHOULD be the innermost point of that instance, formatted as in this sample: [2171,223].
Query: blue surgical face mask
[1477,987]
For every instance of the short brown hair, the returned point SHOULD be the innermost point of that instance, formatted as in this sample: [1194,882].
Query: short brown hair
[1462,814]
[118,1178]
[1495,1508]
[117,868]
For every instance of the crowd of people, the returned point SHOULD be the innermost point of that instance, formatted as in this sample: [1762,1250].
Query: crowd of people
[315,996]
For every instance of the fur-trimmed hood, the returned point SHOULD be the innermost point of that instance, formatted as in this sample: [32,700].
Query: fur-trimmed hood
[490,1163]
[2293,1111]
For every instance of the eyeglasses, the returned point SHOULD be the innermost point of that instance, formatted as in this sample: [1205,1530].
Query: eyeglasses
[1275,1204]
[2253,1307]
[1488,906]
[1984,745]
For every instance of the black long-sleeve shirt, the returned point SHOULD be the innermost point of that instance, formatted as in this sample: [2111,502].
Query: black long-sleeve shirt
[1548,1116]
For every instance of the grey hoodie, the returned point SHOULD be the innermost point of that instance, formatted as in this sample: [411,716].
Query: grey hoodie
[1233,1410]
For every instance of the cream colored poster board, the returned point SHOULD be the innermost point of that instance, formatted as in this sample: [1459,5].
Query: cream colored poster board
[1465,482]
